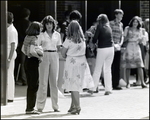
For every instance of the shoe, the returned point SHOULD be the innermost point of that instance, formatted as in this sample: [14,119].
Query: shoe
[97,90]
[85,89]
[117,88]
[144,86]
[71,108]
[107,93]
[90,91]
[66,91]
[128,86]
[10,100]
[147,81]
[32,112]
[135,84]
[56,110]
[76,111]
[40,110]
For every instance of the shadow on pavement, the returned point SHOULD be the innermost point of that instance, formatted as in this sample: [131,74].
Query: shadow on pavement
[12,115]
[48,114]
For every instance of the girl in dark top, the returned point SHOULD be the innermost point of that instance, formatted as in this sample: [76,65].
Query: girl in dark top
[31,66]
[105,53]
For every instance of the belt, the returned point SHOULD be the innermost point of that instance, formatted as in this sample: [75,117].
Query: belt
[50,51]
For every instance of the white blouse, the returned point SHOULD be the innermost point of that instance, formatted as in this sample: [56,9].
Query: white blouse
[74,49]
[48,43]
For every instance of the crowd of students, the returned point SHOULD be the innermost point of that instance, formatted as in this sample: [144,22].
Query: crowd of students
[105,39]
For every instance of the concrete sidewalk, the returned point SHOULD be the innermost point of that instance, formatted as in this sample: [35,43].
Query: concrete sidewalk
[130,103]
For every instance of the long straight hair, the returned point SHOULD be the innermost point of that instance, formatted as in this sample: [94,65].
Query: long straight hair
[75,32]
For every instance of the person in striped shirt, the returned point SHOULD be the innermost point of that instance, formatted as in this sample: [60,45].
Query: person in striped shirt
[117,32]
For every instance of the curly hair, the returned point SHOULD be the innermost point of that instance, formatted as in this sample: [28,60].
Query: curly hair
[132,20]
[49,19]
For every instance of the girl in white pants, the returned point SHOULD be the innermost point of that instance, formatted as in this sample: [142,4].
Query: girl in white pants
[50,40]
[104,60]
[105,53]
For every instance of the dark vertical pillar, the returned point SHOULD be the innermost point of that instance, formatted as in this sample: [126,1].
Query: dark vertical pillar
[84,15]
[50,8]
[3,53]
[114,5]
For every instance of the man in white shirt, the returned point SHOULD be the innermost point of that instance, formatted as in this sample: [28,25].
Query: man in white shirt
[12,42]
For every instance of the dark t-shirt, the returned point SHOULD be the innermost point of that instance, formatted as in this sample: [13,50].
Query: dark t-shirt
[104,36]
[63,28]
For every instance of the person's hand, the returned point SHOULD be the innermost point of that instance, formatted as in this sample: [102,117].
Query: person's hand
[66,30]
[89,34]
[40,59]
[117,47]
[91,45]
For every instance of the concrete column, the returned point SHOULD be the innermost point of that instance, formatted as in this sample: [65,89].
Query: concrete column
[3,53]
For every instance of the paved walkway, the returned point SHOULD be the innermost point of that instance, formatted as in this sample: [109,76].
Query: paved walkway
[130,103]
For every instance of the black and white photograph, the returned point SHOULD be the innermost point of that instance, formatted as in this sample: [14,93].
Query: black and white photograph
[75,59]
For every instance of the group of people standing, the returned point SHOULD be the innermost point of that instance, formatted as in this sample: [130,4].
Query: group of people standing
[42,66]
[124,57]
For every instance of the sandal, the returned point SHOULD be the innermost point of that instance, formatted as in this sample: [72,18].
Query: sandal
[135,84]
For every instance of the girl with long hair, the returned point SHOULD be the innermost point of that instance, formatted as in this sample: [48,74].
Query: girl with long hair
[105,53]
[76,72]
[132,55]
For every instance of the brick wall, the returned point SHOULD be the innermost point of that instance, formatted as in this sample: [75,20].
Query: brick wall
[144,9]
[60,10]
[41,10]
[62,6]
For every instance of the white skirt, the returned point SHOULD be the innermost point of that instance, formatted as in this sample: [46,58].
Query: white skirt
[77,74]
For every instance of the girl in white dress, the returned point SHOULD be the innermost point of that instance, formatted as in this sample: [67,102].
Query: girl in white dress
[76,72]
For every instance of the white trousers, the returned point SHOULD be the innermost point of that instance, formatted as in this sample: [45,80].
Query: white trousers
[11,80]
[104,61]
[48,71]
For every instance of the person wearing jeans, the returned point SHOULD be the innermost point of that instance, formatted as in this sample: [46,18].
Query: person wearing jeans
[105,53]
[117,32]
[31,66]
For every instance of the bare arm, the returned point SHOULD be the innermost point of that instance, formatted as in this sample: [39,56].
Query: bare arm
[64,51]
[12,50]
[122,39]
[59,47]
